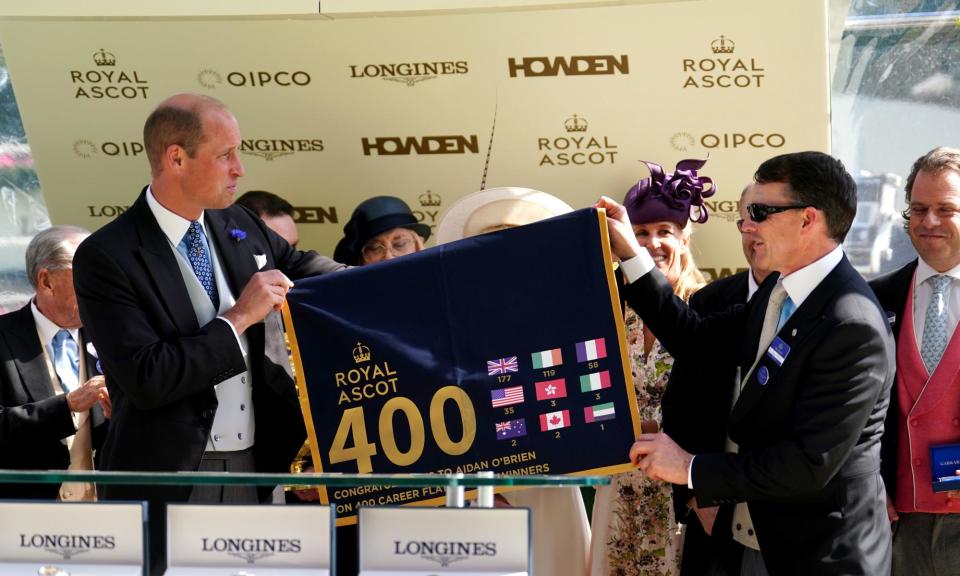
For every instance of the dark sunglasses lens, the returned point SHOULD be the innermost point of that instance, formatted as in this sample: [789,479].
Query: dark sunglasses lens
[757,212]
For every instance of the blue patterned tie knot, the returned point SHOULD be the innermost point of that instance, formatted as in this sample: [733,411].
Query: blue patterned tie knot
[66,360]
[935,335]
[196,243]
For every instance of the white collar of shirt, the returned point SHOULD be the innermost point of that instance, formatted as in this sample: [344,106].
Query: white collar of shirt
[802,282]
[173,225]
[752,285]
[925,271]
[47,329]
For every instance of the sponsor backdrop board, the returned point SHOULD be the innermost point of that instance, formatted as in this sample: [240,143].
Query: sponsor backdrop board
[431,106]
[484,354]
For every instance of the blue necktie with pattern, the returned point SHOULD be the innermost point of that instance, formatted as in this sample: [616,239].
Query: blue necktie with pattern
[935,335]
[196,243]
[66,360]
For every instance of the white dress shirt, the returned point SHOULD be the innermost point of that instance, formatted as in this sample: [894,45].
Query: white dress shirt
[923,292]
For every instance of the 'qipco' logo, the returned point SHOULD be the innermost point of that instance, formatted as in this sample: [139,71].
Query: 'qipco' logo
[253,79]
[86,149]
[684,141]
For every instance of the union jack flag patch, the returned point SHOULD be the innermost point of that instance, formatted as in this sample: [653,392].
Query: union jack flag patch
[502,366]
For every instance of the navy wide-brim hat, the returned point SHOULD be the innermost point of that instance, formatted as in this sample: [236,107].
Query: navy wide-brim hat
[372,218]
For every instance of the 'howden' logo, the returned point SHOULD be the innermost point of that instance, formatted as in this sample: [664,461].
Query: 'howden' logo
[541,66]
[407,145]
[408,73]
[722,70]
[108,82]
[576,147]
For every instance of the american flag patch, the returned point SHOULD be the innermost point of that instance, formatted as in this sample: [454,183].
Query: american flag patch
[506,396]
[502,366]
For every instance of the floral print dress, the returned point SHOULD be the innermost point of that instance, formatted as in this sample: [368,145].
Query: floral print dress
[634,532]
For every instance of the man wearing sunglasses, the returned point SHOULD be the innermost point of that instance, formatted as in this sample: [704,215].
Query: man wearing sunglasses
[816,358]
[924,410]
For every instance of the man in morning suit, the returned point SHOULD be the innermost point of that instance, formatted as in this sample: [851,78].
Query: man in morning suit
[924,302]
[174,292]
[816,356]
[695,416]
[50,417]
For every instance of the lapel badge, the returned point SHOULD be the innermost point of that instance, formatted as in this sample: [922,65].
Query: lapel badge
[763,375]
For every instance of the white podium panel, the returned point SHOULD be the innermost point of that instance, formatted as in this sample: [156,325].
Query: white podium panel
[432,541]
[72,538]
[207,540]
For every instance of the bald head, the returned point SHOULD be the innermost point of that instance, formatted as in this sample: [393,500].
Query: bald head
[177,121]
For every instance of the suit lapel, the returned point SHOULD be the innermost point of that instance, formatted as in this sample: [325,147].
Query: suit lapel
[90,370]
[29,357]
[236,255]
[162,267]
[792,335]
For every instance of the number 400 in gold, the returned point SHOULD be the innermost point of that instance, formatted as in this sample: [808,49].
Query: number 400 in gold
[353,423]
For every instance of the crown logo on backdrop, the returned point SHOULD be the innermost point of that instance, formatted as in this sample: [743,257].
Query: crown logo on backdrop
[576,124]
[361,353]
[429,199]
[723,45]
[104,58]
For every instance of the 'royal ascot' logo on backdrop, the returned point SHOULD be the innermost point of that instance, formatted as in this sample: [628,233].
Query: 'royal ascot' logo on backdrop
[407,145]
[429,209]
[212,79]
[67,546]
[270,148]
[723,68]
[576,147]
[250,549]
[87,149]
[542,66]
[107,81]
[408,73]
[443,552]
[685,141]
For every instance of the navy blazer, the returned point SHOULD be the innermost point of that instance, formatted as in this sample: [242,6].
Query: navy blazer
[809,433]
[34,419]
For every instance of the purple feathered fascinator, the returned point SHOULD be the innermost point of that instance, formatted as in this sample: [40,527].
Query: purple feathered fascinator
[670,196]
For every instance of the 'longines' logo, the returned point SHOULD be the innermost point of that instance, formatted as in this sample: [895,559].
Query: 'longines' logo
[268,149]
[251,549]
[576,147]
[406,145]
[729,210]
[684,141]
[444,553]
[105,81]
[87,149]
[722,70]
[67,546]
[408,73]
[540,66]
[212,79]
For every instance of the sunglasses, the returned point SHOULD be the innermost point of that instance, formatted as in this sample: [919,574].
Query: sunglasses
[760,212]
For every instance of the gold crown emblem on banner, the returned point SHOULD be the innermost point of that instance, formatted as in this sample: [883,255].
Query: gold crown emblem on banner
[104,58]
[576,124]
[429,199]
[361,353]
[723,45]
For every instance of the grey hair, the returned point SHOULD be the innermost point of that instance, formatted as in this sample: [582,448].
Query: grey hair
[52,249]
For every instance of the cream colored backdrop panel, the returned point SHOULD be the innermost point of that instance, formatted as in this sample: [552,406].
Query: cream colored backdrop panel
[333,111]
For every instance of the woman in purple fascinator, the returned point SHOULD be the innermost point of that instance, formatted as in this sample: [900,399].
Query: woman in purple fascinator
[634,531]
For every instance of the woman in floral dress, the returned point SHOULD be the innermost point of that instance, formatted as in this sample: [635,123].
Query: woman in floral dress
[634,532]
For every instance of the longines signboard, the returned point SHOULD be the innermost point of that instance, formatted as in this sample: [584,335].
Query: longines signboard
[423,99]
[84,539]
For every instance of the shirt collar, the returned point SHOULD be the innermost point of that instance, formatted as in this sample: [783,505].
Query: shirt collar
[925,271]
[752,285]
[47,328]
[802,282]
[173,225]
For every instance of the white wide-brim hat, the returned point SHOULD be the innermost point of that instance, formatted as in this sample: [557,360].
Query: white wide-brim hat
[495,209]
